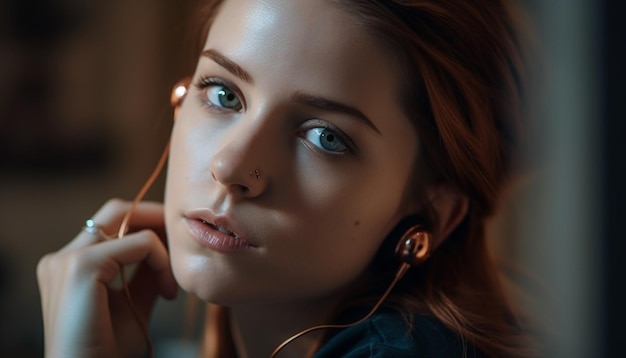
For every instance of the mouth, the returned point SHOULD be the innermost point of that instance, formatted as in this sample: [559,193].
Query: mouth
[220,229]
[218,233]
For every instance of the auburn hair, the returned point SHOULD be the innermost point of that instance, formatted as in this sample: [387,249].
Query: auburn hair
[463,73]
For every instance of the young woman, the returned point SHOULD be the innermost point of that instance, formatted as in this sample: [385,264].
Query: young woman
[324,147]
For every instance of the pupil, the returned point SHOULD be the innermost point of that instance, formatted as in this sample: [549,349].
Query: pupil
[329,141]
[226,98]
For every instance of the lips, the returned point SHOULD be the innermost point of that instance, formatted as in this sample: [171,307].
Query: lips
[220,229]
[216,232]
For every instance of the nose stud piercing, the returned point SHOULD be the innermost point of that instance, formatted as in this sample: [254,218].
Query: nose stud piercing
[256,173]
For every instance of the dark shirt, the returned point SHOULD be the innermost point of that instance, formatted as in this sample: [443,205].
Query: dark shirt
[386,335]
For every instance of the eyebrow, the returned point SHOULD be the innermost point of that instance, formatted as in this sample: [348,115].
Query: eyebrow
[333,106]
[309,100]
[228,64]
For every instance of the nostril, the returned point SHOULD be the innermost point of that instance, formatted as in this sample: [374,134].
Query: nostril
[229,176]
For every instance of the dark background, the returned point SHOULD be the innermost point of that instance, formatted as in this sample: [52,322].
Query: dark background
[84,116]
[614,176]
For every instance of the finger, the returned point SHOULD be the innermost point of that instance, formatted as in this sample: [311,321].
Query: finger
[144,279]
[106,259]
[83,239]
[145,215]
[109,218]
[144,289]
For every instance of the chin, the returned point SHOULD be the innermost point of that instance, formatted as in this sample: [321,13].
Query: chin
[195,275]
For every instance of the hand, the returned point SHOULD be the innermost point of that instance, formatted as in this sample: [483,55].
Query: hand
[84,316]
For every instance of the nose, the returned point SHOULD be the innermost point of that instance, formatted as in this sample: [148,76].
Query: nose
[241,164]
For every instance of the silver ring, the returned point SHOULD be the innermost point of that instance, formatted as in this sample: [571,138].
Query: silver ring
[92,228]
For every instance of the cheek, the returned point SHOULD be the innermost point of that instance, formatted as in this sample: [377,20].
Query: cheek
[358,198]
[190,153]
[349,216]
[182,164]
[176,172]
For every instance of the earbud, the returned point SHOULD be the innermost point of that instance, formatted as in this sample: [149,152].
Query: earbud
[412,249]
[179,92]
[414,246]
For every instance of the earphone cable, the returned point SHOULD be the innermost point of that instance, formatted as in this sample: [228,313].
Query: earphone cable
[401,271]
[143,325]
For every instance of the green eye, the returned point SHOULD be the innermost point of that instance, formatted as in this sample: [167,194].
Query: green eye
[326,139]
[222,96]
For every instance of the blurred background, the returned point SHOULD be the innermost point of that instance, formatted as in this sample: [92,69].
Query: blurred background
[84,115]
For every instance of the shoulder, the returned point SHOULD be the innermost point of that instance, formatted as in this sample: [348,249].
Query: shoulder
[386,334]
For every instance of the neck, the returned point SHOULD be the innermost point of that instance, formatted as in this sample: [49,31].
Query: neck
[259,329]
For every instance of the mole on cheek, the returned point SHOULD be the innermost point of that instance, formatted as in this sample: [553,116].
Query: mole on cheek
[357,223]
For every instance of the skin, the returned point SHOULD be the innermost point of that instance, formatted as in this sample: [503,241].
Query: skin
[315,215]
[309,206]
[310,214]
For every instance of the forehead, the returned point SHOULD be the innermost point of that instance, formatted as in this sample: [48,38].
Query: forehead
[311,42]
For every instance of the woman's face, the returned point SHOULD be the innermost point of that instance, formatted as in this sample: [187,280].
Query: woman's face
[290,156]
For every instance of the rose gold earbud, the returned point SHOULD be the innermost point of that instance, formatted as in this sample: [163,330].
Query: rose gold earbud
[412,249]
[414,246]
[179,91]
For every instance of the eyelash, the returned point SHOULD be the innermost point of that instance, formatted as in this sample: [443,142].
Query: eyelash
[351,147]
[206,82]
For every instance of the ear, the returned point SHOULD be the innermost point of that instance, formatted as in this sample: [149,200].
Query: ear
[450,206]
